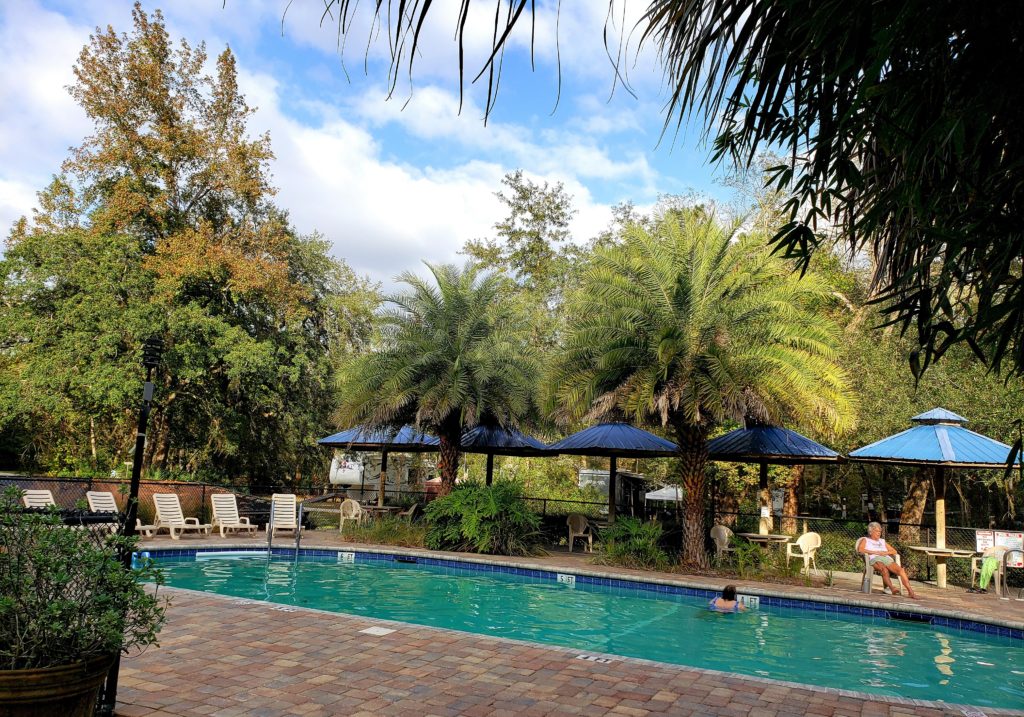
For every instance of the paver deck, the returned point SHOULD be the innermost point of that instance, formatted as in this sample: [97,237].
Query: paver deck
[234,658]
[225,657]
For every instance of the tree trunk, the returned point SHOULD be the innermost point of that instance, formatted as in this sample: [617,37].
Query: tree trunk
[448,461]
[693,457]
[790,501]
[913,507]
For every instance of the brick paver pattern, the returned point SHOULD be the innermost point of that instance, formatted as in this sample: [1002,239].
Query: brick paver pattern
[230,658]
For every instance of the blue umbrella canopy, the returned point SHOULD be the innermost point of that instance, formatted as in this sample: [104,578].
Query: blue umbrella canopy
[408,439]
[940,439]
[769,444]
[616,440]
[495,440]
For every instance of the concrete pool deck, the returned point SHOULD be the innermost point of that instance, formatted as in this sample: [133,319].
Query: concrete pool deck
[237,658]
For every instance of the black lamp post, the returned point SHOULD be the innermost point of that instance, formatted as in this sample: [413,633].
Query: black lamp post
[151,351]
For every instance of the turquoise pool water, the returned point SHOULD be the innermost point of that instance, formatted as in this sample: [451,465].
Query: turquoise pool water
[841,651]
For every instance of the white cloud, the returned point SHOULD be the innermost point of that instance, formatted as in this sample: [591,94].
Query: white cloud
[39,120]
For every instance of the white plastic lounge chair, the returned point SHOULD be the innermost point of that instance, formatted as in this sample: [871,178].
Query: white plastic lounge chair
[102,501]
[722,537]
[169,515]
[579,527]
[225,514]
[806,548]
[38,499]
[282,510]
[350,510]
[869,572]
[147,531]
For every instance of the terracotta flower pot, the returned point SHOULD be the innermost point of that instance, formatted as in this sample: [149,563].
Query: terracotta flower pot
[68,690]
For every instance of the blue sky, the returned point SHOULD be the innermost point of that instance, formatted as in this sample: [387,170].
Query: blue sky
[390,183]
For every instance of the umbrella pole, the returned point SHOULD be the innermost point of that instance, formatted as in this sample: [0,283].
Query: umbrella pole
[764,526]
[383,477]
[940,523]
[611,490]
[490,468]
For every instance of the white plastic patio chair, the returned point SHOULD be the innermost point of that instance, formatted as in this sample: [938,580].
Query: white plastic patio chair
[994,551]
[722,538]
[579,527]
[225,514]
[866,583]
[283,510]
[350,510]
[34,498]
[169,515]
[806,548]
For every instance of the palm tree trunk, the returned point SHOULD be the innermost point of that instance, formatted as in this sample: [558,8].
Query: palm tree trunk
[913,507]
[790,501]
[448,462]
[693,457]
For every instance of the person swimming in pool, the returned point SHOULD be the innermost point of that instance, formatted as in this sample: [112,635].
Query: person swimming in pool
[727,602]
[881,558]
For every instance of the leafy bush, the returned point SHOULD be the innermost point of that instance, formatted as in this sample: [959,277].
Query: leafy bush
[631,543]
[64,594]
[483,519]
[387,530]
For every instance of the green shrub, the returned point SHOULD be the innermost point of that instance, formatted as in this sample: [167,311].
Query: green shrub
[631,543]
[387,530]
[483,519]
[64,594]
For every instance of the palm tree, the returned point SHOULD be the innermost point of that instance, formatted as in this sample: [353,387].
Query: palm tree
[451,353]
[686,325]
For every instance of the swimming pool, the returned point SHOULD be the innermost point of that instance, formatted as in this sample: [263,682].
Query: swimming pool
[867,654]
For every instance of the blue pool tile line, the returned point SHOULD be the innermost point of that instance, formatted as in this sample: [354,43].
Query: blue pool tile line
[549,575]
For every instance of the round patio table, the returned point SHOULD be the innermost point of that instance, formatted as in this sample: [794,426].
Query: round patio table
[765,538]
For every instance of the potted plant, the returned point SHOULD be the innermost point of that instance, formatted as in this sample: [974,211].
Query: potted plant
[67,608]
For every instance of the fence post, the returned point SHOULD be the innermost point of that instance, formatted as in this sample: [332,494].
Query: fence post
[202,503]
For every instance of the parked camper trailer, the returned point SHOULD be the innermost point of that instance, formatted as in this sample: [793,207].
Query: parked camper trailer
[362,471]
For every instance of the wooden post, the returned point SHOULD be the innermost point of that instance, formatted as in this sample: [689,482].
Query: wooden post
[383,477]
[611,490]
[490,468]
[940,523]
[764,525]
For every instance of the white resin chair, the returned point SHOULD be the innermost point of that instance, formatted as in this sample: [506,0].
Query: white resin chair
[350,510]
[225,514]
[169,515]
[994,551]
[722,537]
[869,572]
[38,499]
[579,527]
[283,510]
[806,548]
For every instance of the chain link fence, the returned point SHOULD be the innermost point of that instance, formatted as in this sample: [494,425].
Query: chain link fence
[838,536]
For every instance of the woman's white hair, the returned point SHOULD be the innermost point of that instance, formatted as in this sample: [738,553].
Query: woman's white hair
[874,524]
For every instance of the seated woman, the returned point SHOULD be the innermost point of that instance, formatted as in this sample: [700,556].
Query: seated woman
[727,602]
[882,560]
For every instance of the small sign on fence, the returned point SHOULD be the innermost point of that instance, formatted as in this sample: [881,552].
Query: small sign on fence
[1004,538]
